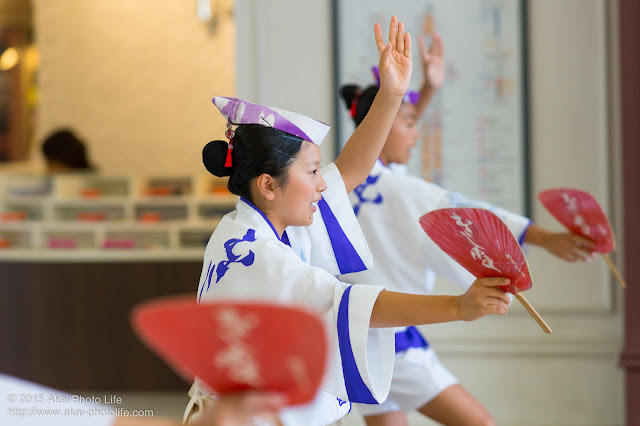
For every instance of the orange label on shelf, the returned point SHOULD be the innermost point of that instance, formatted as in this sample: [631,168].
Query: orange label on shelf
[150,217]
[91,217]
[91,192]
[14,216]
[159,190]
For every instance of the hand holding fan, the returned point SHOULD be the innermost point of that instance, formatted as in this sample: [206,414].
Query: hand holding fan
[581,214]
[234,346]
[479,241]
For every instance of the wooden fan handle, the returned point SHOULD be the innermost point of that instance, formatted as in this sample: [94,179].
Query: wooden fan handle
[543,325]
[614,270]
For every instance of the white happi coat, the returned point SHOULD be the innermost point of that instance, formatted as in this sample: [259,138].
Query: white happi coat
[388,206]
[245,259]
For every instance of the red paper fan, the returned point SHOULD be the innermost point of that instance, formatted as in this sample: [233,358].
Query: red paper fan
[581,214]
[480,242]
[234,346]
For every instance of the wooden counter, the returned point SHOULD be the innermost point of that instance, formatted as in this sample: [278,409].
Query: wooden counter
[66,325]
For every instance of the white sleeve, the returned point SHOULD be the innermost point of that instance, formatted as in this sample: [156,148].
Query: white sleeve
[334,240]
[323,410]
[360,360]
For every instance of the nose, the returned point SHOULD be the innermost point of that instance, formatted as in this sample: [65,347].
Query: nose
[322,185]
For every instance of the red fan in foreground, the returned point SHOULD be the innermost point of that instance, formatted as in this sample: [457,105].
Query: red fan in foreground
[581,214]
[479,241]
[234,346]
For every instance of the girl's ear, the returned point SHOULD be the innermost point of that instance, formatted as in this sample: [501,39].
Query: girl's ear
[266,186]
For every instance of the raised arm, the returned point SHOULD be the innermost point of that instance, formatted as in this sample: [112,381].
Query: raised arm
[400,309]
[432,71]
[363,147]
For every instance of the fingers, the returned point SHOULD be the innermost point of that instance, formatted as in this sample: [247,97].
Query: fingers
[255,403]
[488,299]
[581,254]
[423,48]
[437,48]
[393,31]
[584,241]
[385,57]
[379,41]
[493,282]
[498,308]
[400,40]
[499,295]
[407,45]
[578,247]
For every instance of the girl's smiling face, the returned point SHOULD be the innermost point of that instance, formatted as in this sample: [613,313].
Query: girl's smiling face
[296,200]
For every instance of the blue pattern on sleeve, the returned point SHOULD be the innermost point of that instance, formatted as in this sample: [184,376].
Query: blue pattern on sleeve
[371,180]
[224,265]
[207,279]
[357,391]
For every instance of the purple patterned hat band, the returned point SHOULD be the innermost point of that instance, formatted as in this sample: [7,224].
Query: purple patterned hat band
[411,97]
[238,111]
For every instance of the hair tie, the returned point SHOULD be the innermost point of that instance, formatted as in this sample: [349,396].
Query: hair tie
[229,134]
[354,103]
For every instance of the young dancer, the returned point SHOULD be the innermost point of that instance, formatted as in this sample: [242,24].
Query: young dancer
[388,205]
[294,229]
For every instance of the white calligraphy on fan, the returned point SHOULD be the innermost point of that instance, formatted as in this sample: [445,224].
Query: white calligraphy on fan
[578,220]
[477,252]
[237,358]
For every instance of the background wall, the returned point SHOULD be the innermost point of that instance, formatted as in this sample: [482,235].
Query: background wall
[135,78]
[523,376]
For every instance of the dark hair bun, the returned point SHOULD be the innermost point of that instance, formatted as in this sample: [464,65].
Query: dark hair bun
[214,155]
[349,92]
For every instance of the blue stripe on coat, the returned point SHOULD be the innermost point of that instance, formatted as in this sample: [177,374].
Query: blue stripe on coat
[521,239]
[357,391]
[346,255]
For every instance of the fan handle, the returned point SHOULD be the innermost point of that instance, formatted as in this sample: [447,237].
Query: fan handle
[533,312]
[614,270]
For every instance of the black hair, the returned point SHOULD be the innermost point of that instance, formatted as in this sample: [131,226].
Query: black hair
[256,150]
[65,147]
[364,98]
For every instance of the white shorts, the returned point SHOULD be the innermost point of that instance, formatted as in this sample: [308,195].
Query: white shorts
[418,377]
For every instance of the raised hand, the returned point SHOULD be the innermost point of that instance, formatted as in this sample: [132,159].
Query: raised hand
[395,58]
[484,298]
[432,62]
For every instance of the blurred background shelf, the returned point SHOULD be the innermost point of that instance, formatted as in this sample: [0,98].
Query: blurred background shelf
[106,218]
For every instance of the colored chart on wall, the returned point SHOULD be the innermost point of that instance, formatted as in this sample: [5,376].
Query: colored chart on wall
[473,136]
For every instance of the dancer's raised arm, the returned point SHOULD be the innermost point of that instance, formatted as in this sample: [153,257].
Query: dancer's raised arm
[363,148]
